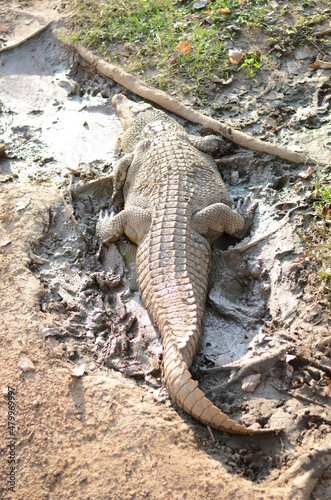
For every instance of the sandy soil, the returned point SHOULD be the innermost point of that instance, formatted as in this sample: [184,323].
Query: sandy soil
[113,433]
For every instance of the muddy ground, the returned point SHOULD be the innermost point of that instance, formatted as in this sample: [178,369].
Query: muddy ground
[69,307]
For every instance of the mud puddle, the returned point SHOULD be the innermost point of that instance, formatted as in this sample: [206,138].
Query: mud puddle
[61,131]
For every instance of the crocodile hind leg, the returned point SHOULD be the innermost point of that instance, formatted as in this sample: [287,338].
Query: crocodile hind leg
[209,143]
[214,220]
[133,221]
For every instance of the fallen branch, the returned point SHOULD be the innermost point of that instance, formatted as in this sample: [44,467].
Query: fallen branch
[320,64]
[323,33]
[171,104]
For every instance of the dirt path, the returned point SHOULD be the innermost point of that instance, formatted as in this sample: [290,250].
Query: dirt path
[113,433]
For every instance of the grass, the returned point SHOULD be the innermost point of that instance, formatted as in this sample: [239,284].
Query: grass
[152,30]
[318,241]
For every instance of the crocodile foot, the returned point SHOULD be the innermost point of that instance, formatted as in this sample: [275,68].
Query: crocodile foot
[246,208]
[105,216]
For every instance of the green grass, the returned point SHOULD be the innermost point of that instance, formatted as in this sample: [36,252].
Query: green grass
[156,27]
[318,241]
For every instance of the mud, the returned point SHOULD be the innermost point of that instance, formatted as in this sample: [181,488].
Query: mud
[77,303]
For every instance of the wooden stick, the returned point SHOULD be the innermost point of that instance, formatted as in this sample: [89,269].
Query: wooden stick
[171,104]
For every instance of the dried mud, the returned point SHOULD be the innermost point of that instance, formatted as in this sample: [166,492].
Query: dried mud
[65,301]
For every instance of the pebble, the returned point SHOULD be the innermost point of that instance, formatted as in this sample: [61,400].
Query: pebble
[250,383]
[105,92]
[234,177]
[26,365]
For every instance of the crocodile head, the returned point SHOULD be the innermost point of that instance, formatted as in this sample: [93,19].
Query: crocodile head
[127,110]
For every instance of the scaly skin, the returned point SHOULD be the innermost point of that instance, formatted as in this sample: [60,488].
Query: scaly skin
[175,204]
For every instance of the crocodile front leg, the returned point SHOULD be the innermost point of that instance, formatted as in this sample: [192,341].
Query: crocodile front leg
[120,176]
[133,221]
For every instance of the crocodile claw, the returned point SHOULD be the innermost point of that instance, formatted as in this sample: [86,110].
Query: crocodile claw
[246,208]
[103,218]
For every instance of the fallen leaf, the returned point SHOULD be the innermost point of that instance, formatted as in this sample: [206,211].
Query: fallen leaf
[184,47]
[223,11]
[37,259]
[306,173]
[235,56]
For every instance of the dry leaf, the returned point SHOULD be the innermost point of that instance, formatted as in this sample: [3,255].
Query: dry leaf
[306,173]
[37,259]
[235,56]
[184,47]
[223,11]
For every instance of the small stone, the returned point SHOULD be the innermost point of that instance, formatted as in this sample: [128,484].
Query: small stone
[26,365]
[105,92]
[250,383]
[95,91]
[234,177]
[255,426]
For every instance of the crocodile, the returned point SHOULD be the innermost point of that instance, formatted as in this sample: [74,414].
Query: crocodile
[175,205]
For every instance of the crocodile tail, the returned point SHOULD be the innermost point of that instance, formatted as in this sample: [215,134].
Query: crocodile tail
[184,391]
